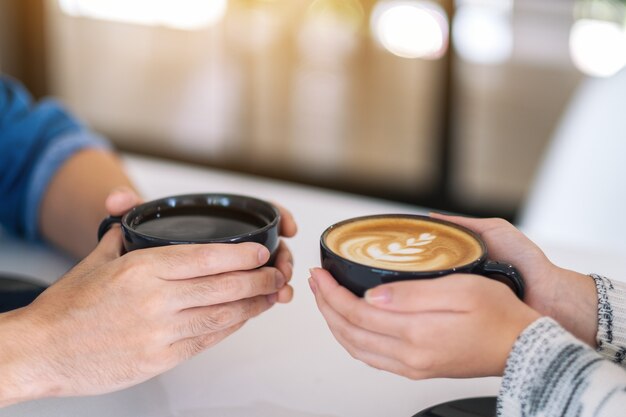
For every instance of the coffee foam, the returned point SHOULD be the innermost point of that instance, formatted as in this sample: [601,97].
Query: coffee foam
[404,244]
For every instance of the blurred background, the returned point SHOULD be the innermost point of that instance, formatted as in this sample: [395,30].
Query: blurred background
[445,104]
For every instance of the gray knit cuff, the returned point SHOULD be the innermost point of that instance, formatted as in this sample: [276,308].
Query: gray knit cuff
[545,371]
[611,337]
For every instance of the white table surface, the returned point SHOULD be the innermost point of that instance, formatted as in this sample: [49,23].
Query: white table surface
[286,362]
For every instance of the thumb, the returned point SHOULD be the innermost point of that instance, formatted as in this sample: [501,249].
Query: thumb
[477,225]
[111,246]
[120,200]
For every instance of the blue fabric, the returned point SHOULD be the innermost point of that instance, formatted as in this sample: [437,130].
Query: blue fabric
[35,140]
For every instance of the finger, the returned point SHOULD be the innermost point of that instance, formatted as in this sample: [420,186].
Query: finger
[109,248]
[285,295]
[504,241]
[475,224]
[288,226]
[409,354]
[385,363]
[121,200]
[479,226]
[111,245]
[352,337]
[353,309]
[187,348]
[191,261]
[452,293]
[213,319]
[227,287]
[284,261]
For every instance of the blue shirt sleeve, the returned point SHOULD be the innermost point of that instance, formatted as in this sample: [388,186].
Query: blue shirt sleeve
[35,140]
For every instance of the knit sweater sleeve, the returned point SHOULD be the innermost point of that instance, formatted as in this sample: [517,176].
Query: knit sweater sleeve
[611,337]
[551,373]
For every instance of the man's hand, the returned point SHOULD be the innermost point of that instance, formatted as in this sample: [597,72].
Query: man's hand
[114,321]
[123,199]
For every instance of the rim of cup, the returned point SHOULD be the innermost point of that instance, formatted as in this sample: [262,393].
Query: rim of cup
[386,271]
[169,203]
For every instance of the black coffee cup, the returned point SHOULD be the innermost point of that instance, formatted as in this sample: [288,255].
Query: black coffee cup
[199,218]
[364,252]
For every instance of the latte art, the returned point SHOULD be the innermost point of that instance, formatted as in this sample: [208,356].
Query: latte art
[390,246]
[404,244]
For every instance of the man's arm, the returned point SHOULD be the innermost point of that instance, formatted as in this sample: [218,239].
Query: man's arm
[74,202]
[114,321]
[55,173]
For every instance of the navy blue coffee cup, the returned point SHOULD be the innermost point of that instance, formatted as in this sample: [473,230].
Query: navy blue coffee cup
[198,219]
[359,278]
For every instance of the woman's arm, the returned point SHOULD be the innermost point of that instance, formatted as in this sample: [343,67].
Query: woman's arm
[469,326]
[611,337]
[551,373]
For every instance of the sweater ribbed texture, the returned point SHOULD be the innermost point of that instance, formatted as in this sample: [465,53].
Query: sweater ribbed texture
[550,373]
[611,336]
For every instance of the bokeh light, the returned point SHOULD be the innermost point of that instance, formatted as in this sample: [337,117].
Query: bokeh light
[411,29]
[349,12]
[598,47]
[483,33]
[329,32]
[180,14]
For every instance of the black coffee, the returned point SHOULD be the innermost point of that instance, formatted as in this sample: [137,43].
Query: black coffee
[195,224]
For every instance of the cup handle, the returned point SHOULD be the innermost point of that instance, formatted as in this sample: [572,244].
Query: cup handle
[106,225]
[508,272]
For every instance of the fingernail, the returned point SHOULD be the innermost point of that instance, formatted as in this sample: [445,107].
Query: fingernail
[264,255]
[280,279]
[379,295]
[312,285]
[272,298]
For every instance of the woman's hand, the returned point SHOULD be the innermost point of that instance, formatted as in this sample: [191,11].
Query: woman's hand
[567,296]
[456,326]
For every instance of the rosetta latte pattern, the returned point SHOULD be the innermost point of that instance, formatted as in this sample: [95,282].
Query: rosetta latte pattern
[394,248]
[550,373]
[404,244]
